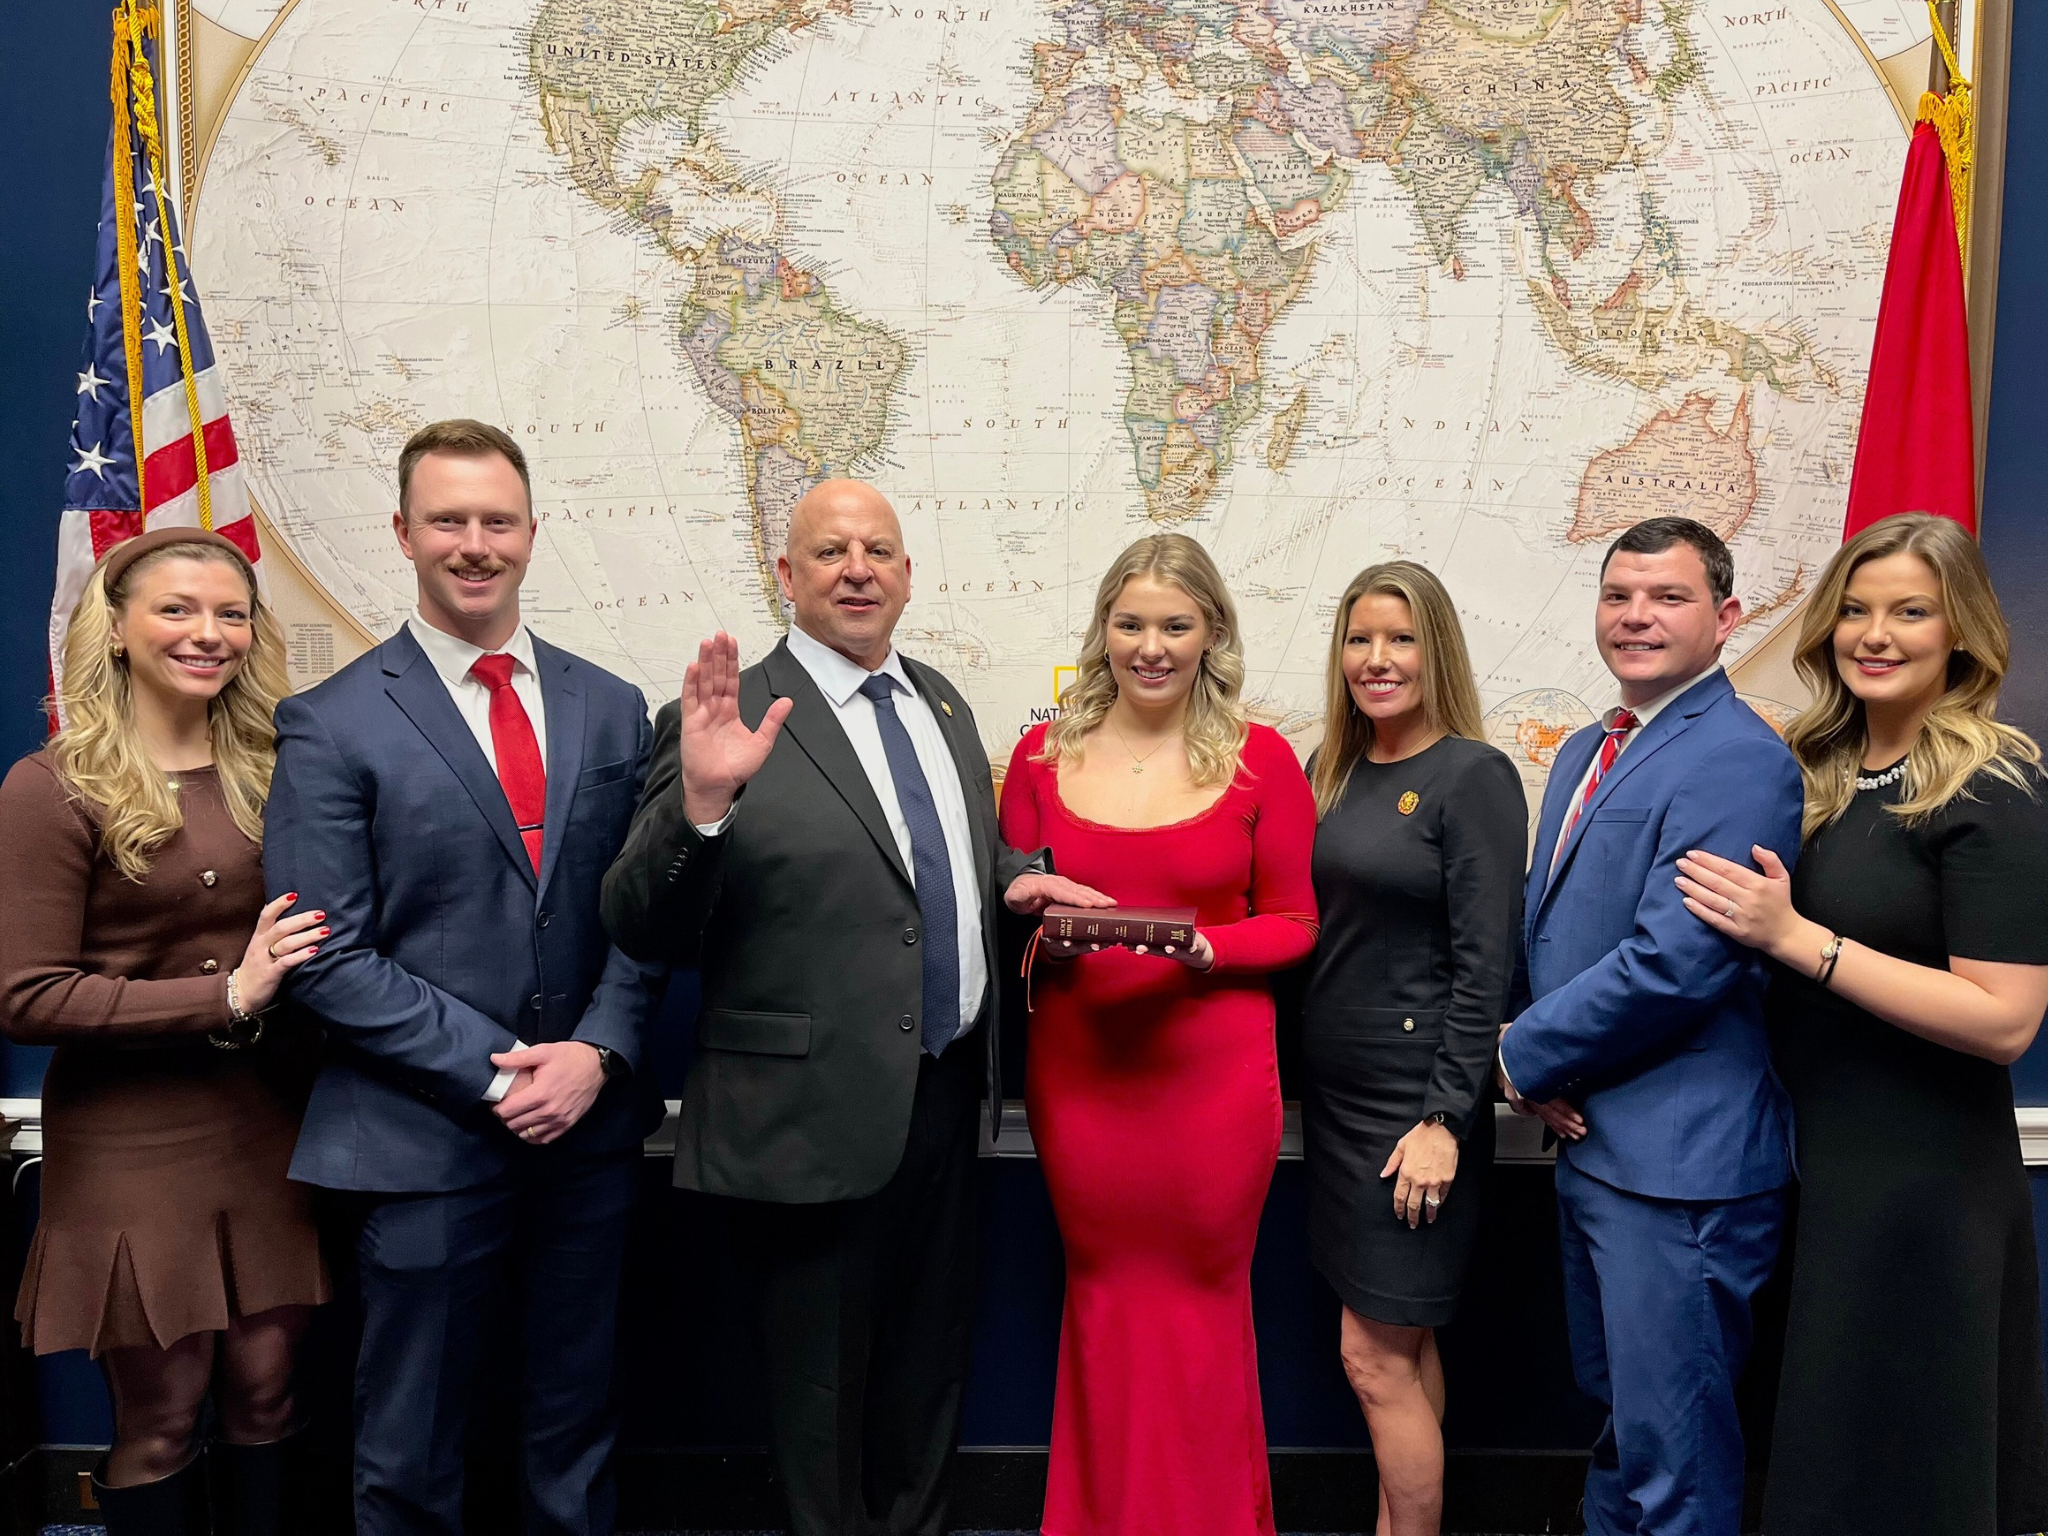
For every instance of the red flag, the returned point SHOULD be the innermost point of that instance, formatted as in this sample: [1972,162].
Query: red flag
[1916,451]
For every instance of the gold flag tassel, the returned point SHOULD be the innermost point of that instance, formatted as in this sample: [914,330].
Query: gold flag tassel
[144,22]
[1955,126]
[125,204]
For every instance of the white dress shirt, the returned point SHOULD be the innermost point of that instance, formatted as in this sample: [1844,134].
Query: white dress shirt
[839,680]
[452,658]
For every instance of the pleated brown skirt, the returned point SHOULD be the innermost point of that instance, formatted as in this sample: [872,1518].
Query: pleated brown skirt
[165,1206]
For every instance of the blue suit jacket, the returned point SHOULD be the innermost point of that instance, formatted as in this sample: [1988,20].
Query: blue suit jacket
[1630,1006]
[384,811]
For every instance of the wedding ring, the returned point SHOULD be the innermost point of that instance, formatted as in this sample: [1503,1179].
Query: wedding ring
[1431,1201]
[1729,910]
[270,950]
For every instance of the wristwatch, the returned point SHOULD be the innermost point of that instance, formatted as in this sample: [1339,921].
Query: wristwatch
[610,1062]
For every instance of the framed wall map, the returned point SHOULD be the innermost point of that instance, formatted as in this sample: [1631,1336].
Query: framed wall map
[1321,282]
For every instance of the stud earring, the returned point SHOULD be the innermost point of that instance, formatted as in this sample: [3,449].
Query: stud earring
[120,649]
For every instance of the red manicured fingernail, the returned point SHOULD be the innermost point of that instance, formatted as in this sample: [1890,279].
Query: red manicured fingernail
[321,933]
[291,895]
[313,951]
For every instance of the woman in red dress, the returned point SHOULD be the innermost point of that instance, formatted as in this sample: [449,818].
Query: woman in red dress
[1151,1081]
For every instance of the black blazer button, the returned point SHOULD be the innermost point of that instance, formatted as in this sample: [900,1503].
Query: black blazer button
[906,1023]
[533,1002]
[542,920]
[910,935]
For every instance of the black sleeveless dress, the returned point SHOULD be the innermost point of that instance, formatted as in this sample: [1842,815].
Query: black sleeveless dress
[1911,1397]
[1418,875]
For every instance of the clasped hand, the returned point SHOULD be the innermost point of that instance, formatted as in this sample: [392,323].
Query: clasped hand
[555,1085]
[1561,1115]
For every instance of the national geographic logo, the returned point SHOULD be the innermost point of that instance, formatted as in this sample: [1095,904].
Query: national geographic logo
[1063,678]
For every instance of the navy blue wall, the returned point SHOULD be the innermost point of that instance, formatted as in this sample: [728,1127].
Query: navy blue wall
[2015,532]
[688,1378]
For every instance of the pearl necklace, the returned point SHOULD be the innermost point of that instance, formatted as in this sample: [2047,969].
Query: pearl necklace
[1891,775]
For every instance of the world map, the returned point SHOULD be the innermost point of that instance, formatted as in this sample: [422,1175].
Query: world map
[1477,283]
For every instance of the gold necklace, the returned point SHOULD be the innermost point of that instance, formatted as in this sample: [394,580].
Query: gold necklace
[1137,762]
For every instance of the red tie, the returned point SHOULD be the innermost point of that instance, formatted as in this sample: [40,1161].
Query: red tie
[1624,722]
[518,752]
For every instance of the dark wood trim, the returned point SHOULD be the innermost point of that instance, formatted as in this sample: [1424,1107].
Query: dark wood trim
[1990,93]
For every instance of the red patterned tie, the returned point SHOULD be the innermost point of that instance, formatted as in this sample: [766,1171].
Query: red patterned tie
[518,752]
[1624,721]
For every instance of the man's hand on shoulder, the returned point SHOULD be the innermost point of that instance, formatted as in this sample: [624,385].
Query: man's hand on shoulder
[556,1085]
[1030,894]
[719,752]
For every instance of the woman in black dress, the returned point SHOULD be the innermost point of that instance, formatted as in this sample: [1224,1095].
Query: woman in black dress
[1418,874]
[1913,968]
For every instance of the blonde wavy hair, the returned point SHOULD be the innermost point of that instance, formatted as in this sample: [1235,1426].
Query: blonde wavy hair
[1450,699]
[1961,735]
[99,753]
[1215,729]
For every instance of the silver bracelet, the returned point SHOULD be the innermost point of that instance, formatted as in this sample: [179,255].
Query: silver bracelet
[239,1019]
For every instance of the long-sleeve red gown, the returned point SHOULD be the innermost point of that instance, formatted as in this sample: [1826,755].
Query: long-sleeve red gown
[1154,1097]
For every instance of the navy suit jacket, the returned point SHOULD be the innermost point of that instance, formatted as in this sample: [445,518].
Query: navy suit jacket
[385,813]
[1627,1004]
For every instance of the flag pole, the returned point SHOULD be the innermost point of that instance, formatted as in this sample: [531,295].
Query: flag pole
[122,167]
[147,21]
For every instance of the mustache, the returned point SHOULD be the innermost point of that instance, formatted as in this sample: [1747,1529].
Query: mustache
[476,567]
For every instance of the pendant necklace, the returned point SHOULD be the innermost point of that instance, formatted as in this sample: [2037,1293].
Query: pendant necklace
[1137,762]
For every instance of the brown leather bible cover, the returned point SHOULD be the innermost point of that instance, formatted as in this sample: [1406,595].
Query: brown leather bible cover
[1071,930]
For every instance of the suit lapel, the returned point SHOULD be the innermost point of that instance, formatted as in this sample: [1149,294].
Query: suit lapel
[816,729]
[1671,722]
[416,688]
[966,748]
[562,702]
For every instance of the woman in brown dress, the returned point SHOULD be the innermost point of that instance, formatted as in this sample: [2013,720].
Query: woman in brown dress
[134,937]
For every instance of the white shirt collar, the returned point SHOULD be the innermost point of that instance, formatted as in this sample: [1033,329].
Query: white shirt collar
[838,678]
[1645,713]
[452,656]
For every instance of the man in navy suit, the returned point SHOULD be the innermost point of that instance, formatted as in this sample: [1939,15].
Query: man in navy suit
[1638,1036]
[453,800]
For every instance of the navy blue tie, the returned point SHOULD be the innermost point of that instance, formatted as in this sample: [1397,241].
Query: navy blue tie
[929,865]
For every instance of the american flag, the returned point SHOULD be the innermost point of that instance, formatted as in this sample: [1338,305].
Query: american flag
[130,468]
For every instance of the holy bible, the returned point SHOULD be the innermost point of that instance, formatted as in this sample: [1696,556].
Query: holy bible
[1069,930]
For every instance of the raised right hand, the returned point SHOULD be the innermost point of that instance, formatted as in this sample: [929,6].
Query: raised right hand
[719,752]
[278,945]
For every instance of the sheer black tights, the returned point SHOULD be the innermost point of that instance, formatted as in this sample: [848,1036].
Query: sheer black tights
[158,1393]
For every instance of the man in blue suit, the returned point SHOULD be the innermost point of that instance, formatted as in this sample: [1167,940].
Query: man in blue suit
[453,799]
[1638,1036]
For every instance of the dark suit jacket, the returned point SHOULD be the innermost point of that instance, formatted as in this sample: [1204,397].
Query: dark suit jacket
[1631,1006]
[805,925]
[384,811]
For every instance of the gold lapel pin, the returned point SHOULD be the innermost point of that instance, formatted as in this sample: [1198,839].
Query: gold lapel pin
[1407,803]
[947,708]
